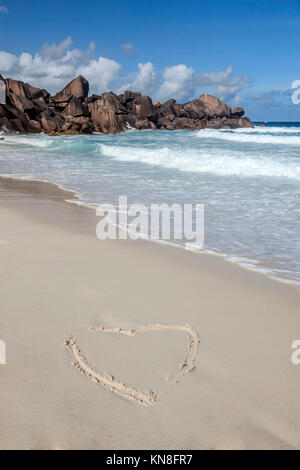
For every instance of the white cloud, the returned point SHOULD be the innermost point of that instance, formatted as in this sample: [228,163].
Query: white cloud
[57,64]
[56,52]
[179,83]
[100,73]
[238,101]
[128,49]
[214,78]
[145,81]
[227,84]
[7,61]
[3,9]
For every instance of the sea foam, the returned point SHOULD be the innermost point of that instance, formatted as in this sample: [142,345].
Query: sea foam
[247,179]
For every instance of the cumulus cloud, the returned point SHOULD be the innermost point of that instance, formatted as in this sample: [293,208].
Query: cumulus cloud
[54,51]
[100,73]
[215,78]
[179,83]
[56,64]
[3,9]
[145,81]
[227,84]
[238,101]
[7,62]
[128,49]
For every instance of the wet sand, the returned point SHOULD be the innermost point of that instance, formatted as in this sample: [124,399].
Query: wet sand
[136,345]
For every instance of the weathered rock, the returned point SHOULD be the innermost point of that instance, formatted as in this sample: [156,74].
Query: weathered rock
[195,109]
[34,126]
[3,112]
[66,126]
[181,111]
[20,102]
[16,87]
[142,106]
[236,123]
[48,124]
[50,121]
[87,128]
[69,132]
[213,107]
[60,100]
[91,99]
[144,124]
[71,111]
[108,113]
[5,122]
[80,120]
[237,112]
[173,123]
[167,109]
[81,124]
[75,107]
[25,90]
[79,87]
[128,96]
[38,94]
[11,112]
[17,125]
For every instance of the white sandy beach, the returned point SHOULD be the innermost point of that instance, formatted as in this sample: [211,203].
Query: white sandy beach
[57,280]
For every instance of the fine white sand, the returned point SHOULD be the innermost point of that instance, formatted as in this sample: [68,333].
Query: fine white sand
[171,350]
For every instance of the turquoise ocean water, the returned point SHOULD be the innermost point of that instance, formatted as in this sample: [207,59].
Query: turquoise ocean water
[248,180]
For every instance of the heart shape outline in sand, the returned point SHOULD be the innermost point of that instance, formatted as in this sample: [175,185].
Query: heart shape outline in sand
[143,397]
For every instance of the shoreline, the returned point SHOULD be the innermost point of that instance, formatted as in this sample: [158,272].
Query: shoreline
[74,198]
[58,280]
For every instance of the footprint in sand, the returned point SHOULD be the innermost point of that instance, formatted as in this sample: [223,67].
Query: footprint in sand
[143,397]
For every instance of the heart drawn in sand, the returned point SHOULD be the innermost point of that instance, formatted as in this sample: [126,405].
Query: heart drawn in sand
[143,397]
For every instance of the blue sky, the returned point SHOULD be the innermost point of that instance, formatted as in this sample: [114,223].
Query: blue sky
[243,51]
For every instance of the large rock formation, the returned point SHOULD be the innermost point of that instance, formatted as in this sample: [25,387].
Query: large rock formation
[108,113]
[72,111]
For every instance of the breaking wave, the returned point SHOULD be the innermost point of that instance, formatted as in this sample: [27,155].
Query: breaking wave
[256,136]
[223,162]
[248,180]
